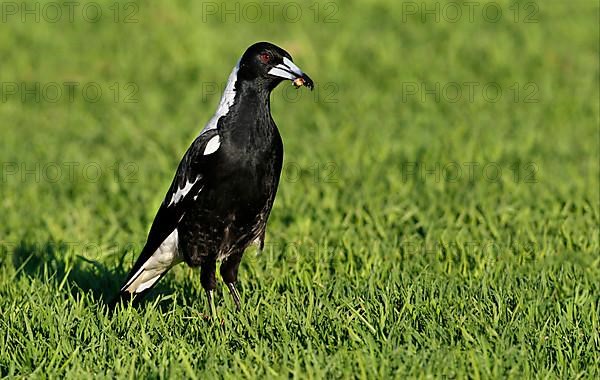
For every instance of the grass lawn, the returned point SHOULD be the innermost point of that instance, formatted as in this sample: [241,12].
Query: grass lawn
[437,216]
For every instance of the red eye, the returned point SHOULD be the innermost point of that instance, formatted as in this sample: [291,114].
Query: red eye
[265,57]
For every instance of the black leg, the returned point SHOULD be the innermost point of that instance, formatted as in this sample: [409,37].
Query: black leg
[209,283]
[229,273]
[234,294]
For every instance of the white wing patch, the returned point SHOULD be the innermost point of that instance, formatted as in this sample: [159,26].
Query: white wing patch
[212,145]
[226,100]
[165,257]
[182,192]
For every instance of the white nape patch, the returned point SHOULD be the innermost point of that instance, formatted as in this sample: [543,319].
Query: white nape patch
[165,257]
[212,145]
[182,192]
[226,100]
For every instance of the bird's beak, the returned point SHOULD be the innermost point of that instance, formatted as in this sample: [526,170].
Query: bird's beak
[288,70]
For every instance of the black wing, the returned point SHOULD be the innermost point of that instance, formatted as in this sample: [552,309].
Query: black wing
[186,186]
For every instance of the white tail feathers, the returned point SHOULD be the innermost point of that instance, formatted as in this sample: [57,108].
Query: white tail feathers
[163,259]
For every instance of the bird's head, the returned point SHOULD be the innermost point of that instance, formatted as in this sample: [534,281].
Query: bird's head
[268,65]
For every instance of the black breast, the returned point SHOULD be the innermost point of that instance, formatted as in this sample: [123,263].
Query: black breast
[232,209]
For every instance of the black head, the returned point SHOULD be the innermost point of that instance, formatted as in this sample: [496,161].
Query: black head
[267,65]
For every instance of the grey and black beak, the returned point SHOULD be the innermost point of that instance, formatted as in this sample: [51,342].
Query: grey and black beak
[288,70]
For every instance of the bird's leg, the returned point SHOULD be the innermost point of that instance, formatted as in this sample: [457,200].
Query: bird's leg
[212,310]
[234,294]
[229,272]
[209,283]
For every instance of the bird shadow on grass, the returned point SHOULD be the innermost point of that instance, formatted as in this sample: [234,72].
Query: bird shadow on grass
[58,264]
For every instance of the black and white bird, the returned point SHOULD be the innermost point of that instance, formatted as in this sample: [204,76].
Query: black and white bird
[223,191]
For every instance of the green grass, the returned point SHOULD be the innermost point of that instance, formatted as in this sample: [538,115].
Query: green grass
[371,269]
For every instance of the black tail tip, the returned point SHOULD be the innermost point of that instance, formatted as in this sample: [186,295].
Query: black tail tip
[123,298]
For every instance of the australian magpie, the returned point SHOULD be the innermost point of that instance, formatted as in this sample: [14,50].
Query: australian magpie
[221,197]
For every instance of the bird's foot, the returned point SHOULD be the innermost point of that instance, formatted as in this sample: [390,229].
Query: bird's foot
[235,295]
[212,310]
